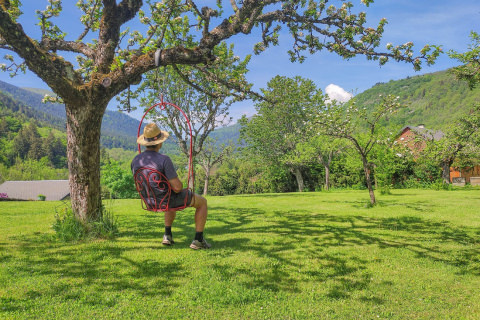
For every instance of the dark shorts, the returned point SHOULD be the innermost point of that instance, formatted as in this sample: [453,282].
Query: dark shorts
[178,199]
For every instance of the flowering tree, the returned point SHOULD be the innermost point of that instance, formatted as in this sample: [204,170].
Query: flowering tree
[203,93]
[465,134]
[346,121]
[470,68]
[110,57]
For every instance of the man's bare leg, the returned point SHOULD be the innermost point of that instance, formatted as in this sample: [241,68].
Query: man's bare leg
[200,205]
[201,210]
[169,218]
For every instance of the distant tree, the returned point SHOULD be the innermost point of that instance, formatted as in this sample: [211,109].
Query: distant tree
[279,126]
[3,128]
[105,156]
[463,134]
[357,126]
[393,164]
[212,155]
[469,156]
[110,57]
[21,144]
[47,146]
[28,143]
[322,149]
[55,150]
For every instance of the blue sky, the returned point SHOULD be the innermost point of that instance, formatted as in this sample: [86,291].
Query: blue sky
[442,22]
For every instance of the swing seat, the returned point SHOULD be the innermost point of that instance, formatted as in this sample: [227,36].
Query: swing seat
[154,189]
[152,185]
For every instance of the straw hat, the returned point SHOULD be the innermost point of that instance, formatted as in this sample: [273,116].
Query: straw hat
[152,135]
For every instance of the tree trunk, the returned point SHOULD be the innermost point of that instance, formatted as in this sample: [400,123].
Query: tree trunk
[83,154]
[298,175]
[327,177]
[446,171]
[207,176]
[369,182]
[327,170]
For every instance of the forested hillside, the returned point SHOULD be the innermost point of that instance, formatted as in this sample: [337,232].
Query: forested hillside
[117,128]
[227,134]
[10,107]
[435,99]
[31,144]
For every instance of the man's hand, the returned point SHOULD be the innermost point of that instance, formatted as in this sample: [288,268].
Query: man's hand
[176,184]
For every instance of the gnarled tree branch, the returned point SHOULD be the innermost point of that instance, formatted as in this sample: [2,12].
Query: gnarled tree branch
[71,46]
[56,72]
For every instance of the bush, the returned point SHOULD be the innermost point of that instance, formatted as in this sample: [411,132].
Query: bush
[385,189]
[118,181]
[68,228]
[441,185]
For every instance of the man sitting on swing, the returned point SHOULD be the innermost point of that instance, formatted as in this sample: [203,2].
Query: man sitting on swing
[152,138]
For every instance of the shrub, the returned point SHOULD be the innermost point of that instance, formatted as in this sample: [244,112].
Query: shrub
[118,181]
[441,185]
[385,189]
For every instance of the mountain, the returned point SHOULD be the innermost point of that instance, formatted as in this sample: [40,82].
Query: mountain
[226,134]
[118,130]
[12,107]
[434,99]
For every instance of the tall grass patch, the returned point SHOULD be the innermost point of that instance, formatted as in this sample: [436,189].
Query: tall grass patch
[68,228]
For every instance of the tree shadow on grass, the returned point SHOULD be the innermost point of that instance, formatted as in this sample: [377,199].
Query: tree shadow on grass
[151,225]
[280,244]
[418,206]
[148,226]
[279,195]
[91,272]
[287,248]
[296,236]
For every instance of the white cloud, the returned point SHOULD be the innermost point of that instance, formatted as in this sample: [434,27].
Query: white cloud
[335,92]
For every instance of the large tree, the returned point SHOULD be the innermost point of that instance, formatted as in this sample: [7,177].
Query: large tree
[279,126]
[357,126]
[111,57]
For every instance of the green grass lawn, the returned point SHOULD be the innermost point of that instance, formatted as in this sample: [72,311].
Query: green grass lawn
[278,256]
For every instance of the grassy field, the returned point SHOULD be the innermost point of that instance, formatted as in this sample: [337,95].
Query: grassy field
[290,256]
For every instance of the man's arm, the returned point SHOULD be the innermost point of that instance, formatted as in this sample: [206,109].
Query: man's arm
[176,184]
[170,172]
